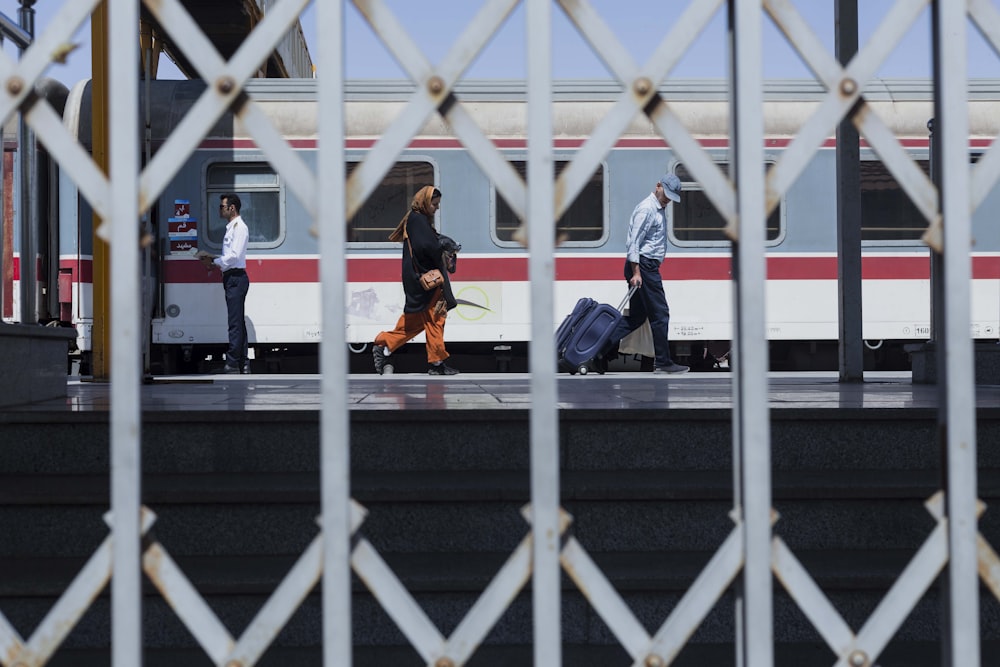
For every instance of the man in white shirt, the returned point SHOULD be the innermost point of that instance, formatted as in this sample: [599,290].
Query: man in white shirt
[233,264]
[645,248]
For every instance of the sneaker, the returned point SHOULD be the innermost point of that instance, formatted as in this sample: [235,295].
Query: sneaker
[231,370]
[442,369]
[378,354]
[673,369]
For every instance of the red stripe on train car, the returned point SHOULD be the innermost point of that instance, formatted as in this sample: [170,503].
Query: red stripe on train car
[986,268]
[679,267]
[825,268]
[381,269]
[16,269]
[801,268]
[676,267]
[895,268]
[359,270]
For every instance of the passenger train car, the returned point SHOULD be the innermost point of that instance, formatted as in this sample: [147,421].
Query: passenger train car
[186,311]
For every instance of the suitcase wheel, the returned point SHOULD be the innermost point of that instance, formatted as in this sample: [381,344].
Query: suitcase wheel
[581,369]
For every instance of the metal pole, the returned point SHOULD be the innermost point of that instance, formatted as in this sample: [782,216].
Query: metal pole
[100,332]
[849,299]
[51,217]
[335,430]
[17,34]
[22,39]
[126,338]
[937,266]
[546,601]
[4,268]
[149,271]
[751,427]
[956,365]
[28,210]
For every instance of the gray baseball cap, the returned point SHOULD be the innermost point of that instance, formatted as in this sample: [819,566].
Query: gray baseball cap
[672,186]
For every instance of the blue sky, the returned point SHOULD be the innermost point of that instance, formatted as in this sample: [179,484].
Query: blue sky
[436,24]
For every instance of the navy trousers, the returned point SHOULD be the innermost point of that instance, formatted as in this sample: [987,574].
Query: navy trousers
[236,284]
[649,301]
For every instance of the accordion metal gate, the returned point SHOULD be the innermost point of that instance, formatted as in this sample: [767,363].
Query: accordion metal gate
[754,554]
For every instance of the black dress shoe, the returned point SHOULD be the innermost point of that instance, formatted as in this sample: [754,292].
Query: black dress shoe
[601,364]
[230,370]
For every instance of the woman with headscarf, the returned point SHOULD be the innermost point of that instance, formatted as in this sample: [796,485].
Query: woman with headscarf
[425,310]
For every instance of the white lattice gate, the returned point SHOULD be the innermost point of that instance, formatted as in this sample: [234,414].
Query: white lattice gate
[754,552]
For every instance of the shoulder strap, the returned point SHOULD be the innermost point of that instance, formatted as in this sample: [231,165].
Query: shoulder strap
[413,260]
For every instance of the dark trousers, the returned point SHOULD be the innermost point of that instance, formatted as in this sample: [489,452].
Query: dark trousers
[649,301]
[236,284]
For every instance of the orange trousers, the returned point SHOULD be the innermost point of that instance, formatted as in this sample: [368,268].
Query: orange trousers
[411,325]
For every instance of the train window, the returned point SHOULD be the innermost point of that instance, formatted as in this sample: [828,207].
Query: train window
[256,183]
[697,223]
[582,223]
[391,199]
[887,214]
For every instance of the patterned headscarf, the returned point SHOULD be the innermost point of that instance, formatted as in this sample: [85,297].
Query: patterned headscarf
[422,203]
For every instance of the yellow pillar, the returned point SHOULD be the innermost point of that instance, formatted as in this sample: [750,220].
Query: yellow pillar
[100,336]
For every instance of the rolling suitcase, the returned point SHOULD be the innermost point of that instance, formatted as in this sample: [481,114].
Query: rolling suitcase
[585,331]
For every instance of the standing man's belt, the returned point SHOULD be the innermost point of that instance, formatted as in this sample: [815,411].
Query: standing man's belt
[233,272]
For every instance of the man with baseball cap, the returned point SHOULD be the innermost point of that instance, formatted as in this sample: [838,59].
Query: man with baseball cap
[645,248]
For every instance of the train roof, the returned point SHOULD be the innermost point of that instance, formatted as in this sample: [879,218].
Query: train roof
[498,106]
[595,90]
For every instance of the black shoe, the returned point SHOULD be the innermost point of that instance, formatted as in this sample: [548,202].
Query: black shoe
[246,368]
[601,364]
[378,355]
[231,370]
[442,369]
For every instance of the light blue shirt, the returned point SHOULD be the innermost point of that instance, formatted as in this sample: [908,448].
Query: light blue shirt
[647,231]
[234,246]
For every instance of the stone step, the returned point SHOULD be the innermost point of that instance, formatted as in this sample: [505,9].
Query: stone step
[237,497]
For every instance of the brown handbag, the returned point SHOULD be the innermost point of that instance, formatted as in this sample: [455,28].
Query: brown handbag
[429,280]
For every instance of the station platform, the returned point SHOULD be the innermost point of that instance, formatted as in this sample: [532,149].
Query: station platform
[509,391]
[442,465]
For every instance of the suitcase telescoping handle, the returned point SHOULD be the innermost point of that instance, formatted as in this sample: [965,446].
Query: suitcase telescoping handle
[628,297]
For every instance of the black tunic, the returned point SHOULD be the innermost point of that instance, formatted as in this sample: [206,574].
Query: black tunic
[427,255]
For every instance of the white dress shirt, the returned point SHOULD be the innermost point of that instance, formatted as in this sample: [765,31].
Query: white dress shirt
[234,246]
